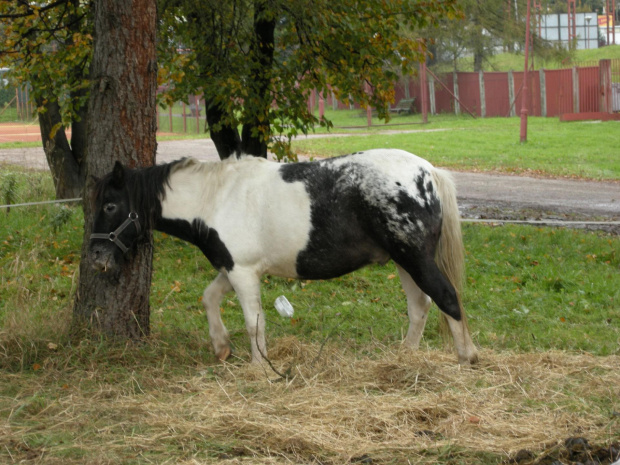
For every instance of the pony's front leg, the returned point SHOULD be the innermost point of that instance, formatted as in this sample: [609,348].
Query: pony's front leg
[211,299]
[247,286]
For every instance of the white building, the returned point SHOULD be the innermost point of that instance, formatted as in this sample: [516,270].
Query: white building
[554,28]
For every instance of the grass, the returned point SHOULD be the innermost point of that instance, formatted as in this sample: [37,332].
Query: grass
[491,144]
[542,304]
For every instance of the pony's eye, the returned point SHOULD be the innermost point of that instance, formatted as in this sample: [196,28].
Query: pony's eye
[109,208]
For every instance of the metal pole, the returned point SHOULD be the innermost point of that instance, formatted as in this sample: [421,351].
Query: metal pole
[613,19]
[368,107]
[523,135]
[607,5]
[197,102]
[423,87]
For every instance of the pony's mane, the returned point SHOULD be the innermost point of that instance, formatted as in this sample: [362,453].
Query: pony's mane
[145,187]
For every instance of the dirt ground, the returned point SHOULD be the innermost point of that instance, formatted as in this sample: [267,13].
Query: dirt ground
[481,195]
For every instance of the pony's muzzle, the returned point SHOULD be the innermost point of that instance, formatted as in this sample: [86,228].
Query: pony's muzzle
[102,260]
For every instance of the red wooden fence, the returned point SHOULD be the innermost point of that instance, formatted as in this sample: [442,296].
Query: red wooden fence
[551,92]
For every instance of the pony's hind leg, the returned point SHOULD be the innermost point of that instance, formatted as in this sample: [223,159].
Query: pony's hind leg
[211,299]
[433,283]
[418,304]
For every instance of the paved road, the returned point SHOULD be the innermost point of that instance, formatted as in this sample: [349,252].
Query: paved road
[480,194]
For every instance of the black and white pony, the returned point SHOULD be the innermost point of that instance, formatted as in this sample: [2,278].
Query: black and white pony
[311,220]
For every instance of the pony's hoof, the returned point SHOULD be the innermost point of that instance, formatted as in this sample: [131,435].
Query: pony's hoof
[223,354]
[469,360]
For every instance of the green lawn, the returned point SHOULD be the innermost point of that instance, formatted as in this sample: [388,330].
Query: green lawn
[577,149]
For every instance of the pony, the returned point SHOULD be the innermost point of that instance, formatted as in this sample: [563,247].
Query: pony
[307,220]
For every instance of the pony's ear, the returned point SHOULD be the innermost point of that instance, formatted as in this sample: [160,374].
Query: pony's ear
[118,175]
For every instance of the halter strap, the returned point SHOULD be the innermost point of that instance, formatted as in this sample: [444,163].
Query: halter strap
[113,236]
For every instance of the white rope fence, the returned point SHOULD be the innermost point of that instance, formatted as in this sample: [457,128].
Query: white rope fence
[541,222]
[463,220]
[44,202]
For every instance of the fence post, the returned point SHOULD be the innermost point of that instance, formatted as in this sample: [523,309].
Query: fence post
[575,90]
[197,101]
[455,83]
[312,101]
[423,90]
[431,95]
[483,103]
[368,107]
[543,93]
[605,77]
[511,93]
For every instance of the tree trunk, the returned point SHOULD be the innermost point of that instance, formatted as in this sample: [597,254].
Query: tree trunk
[121,126]
[226,138]
[256,128]
[63,164]
[478,60]
[255,134]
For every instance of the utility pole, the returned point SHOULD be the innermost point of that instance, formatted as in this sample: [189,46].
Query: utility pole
[523,136]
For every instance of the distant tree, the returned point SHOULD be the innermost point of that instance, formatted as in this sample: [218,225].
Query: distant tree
[255,61]
[48,46]
[485,29]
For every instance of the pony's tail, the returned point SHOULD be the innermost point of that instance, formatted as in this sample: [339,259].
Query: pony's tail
[450,255]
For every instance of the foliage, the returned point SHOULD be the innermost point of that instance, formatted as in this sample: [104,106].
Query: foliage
[8,189]
[48,45]
[60,217]
[485,26]
[6,95]
[355,49]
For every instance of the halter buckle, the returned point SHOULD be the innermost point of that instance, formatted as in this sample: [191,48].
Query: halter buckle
[113,236]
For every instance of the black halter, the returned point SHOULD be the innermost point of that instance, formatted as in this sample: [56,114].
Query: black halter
[113,236]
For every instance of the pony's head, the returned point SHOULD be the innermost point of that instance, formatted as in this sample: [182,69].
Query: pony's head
[117,225]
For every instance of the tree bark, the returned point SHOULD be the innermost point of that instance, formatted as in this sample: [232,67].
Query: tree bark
[256,129]
[121,126]
[255,133]
[226,138]
[65,168]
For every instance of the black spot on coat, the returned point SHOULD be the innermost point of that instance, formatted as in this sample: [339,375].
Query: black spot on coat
[205,238]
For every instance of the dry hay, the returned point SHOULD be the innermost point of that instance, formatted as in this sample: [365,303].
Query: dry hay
[394,406]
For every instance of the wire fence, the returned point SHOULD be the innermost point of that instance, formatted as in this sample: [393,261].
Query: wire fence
[16,105]
[182,118]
